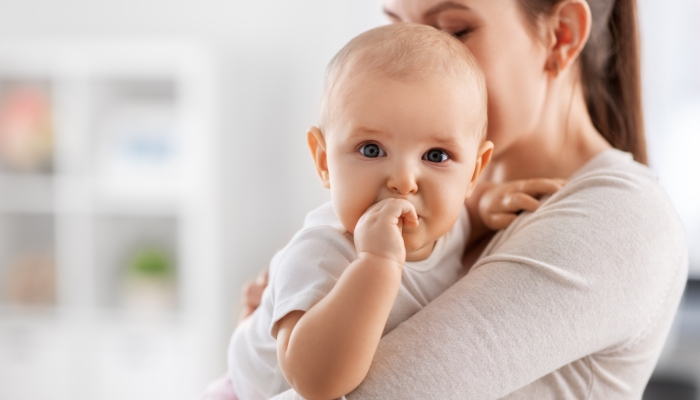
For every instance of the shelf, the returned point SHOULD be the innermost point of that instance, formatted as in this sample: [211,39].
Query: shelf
[130,192]
[36,194]
[27,261]
[129,188]
[134,207]
[26,124]
[129,358]
[136,263]
[135,133]
[27,193]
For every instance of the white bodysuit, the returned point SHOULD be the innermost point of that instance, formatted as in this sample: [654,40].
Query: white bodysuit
[305,271]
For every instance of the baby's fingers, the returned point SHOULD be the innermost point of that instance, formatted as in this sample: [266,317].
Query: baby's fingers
[407,211]
[538,187]
[518,201]
[499,221]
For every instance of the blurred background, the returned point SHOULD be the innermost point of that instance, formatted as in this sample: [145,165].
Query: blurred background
[153,159]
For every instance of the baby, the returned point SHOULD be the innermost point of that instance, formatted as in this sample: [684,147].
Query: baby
[400,144]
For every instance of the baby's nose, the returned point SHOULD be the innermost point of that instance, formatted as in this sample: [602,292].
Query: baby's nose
[402,182]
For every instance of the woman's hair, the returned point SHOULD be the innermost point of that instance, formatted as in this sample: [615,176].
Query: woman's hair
[609,71]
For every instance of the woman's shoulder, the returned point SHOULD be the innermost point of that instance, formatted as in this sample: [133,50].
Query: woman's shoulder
[623,196]
[611,232]
[625,202]
[616,171]
[617,205]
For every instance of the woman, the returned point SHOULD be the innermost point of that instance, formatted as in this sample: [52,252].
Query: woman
[576,299]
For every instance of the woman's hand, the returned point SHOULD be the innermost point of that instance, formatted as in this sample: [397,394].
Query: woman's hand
[501,203]
[252,295]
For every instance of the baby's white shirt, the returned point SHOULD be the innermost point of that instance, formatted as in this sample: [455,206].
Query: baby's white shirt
[305,271]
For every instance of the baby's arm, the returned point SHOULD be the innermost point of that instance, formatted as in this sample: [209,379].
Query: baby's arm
[326,352]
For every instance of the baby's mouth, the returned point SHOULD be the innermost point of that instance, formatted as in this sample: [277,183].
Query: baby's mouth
[419,219]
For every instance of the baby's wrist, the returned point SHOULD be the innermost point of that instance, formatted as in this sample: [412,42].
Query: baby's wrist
[380,260]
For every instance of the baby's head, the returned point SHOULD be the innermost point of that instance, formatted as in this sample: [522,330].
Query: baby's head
[403,116]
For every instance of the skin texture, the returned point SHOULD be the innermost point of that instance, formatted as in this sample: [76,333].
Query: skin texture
[397,204]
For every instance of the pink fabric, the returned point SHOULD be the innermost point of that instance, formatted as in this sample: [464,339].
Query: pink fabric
[220,389]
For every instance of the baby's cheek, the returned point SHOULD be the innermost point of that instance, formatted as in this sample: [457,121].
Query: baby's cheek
[447,212]
[348,211]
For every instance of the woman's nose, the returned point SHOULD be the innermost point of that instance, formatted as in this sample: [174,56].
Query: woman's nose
[402,181]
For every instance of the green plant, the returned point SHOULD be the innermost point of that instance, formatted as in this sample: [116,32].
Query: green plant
[151,263]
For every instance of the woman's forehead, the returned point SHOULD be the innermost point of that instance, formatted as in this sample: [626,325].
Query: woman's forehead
[418,10]
[424,10]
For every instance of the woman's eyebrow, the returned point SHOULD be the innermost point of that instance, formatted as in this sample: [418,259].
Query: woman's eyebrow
[438,8]
[445,5]
[390,14]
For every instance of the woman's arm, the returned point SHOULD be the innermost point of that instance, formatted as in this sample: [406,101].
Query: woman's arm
[596,269]
[251,295]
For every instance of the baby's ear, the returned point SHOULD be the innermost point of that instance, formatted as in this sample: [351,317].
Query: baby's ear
[317,145]
[483,157]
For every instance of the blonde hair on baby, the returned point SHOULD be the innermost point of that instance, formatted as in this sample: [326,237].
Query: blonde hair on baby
[407,52]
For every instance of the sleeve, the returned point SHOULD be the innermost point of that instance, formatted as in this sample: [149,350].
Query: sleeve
[307,269]
[587,272]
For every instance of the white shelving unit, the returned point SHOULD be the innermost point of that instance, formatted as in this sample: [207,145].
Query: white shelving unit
[134,166]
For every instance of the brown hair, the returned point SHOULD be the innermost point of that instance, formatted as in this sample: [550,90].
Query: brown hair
[610,71]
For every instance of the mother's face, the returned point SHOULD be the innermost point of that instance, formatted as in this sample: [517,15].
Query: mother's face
[508,50]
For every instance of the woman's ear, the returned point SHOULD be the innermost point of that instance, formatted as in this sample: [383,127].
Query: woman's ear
[482,160]
[568,29]
[317,145]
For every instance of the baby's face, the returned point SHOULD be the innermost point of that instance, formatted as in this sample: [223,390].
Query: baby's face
[413,140]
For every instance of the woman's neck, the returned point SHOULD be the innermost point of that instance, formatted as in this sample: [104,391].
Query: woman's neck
[564,140]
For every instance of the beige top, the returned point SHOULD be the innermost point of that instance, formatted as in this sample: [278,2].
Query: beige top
[573,301]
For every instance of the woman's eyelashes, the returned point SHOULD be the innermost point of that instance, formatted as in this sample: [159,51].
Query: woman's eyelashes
[436,156]
[461,33]
[371,150]
[457,30]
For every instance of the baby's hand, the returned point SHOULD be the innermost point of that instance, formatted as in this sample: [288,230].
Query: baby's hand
[378,232]
[501,203]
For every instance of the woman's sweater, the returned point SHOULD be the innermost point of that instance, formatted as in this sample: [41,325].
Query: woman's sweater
[573,301]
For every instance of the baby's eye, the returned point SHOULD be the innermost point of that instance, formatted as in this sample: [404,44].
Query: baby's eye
[436,156]
[372,150]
